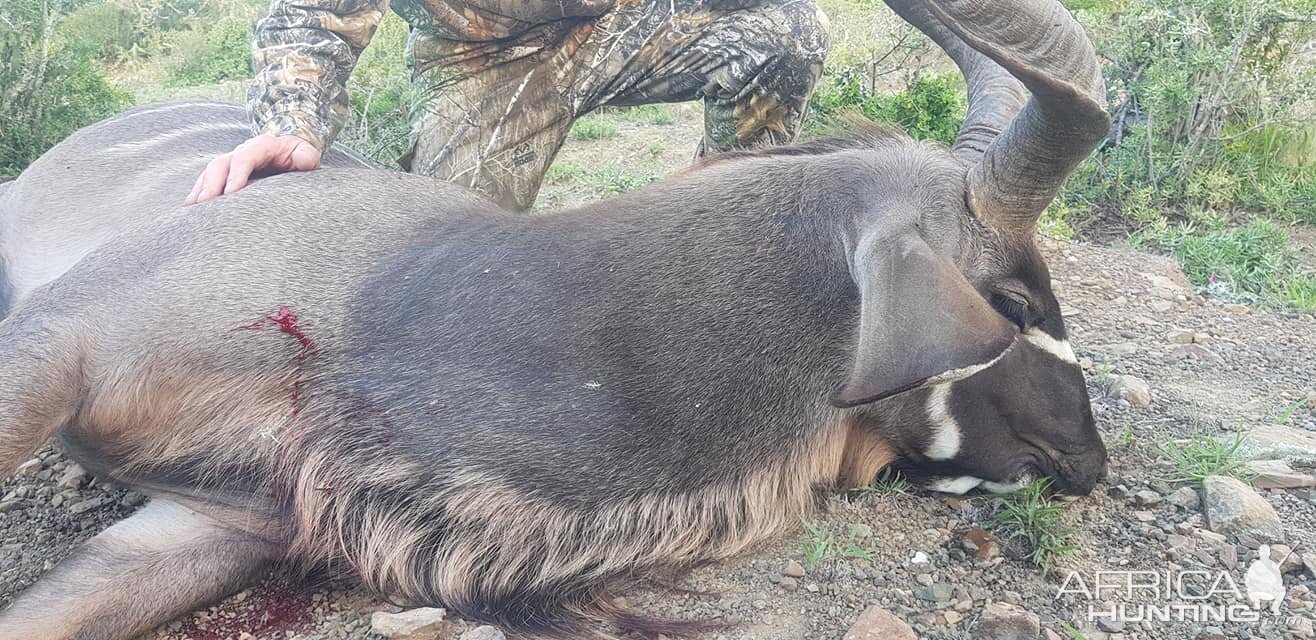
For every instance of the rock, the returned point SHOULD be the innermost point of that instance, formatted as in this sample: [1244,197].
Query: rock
[485,632]
[1110,626]
[29,468]
[88,505]
[1122,348]
[1179,336]
[1234,307]
[1277,474]
[1144,516]
[1146,498]
[1301,627]
[1288,561]
[982,544]
[952,617]
[1233,507]
[938,592]
[1131,388]
[1309,562]
[1001,621]
[1276,442]
[72,478]
[1160,306]
[1185,498]
[790,584]
[876,623]
[1192,352]
[793,570]
[10,505]
[414,624]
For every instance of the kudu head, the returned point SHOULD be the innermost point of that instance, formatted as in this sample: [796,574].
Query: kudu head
[958,309]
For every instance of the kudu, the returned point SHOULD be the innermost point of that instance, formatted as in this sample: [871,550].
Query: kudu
[505,414]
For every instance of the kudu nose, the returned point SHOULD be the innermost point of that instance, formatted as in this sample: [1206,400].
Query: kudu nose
[1078,474]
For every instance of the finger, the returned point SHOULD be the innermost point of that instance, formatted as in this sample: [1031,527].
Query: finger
[213,179]
[196,190]
[240,168]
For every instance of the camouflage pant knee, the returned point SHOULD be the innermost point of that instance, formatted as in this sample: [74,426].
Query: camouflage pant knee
[491,114]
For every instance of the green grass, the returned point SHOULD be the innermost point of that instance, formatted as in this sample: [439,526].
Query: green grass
[1251,263]
[656,114]
[593,127]
[1074,634]
[1201,455]
[887,483]
[1030,517]
[818,546]
[613,180]
[564,172]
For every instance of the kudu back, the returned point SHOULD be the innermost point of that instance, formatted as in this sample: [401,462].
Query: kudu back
[503,414]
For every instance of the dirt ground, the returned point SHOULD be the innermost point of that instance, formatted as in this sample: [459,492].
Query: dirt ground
[1248,368]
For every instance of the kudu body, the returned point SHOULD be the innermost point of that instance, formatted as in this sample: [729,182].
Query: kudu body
[503,414]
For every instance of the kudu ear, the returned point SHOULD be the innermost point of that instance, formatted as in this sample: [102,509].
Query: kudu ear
[920,321]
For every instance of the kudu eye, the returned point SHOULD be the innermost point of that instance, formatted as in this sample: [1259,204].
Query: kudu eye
[1013,306]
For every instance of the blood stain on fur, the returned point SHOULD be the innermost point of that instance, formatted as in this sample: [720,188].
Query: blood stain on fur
[286,321]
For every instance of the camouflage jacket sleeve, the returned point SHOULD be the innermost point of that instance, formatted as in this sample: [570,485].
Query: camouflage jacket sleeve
[303,53]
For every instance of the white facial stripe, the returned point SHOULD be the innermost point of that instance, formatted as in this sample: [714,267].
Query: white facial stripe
[957,486]
[945,432]
[1045,342]
[964,372]
[1005,487]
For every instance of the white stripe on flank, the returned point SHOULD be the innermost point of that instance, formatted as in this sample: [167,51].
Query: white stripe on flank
[945,432]
[138,145]
[1057,348]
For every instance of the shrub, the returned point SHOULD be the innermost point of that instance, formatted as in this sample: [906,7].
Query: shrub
[214,53]
[381,96]
[108,29]
[48,87]
[931,108]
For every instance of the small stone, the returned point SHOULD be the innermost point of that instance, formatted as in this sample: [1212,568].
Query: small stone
[1110,626]
[1233,507]
[1179,336]
[72,478]
[88,505]
[876,623]
[413,624]
[29,468]
[484,632]
[1144,516]
[1131,388]
[1309,562]
[1277,474]
[981,543]
[1236,308]
[1288,561]
[132,499]
[1146,498]
[1122,348]
[1301,627]
[1178,543]
[952,617]
[939,592]
[1160,306]
[1277,442]
[1185,498]
[10,505]
[790,584]
[1001,621]
[793,570]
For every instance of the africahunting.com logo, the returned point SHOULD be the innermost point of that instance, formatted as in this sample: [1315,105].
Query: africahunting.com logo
[1198,596]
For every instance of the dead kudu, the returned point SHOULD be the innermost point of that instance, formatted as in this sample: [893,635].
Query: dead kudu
[505,414]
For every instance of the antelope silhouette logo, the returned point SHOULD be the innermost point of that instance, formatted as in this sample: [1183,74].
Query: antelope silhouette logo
[1264,581]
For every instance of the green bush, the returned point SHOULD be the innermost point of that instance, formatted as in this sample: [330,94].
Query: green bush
[931,108]
[1250,263]
[381,96]
[107,28]
[214,53]
[49,87]
[1206,94]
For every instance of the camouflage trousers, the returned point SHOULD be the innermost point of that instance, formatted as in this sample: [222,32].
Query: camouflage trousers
[494,102]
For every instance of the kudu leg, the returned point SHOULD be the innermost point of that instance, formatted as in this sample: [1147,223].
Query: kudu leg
[163,561]
[39,388]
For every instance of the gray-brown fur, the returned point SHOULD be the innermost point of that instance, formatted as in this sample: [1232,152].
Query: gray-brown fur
[503,414]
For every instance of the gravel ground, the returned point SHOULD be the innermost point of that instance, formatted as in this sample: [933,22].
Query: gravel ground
[1128,312]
